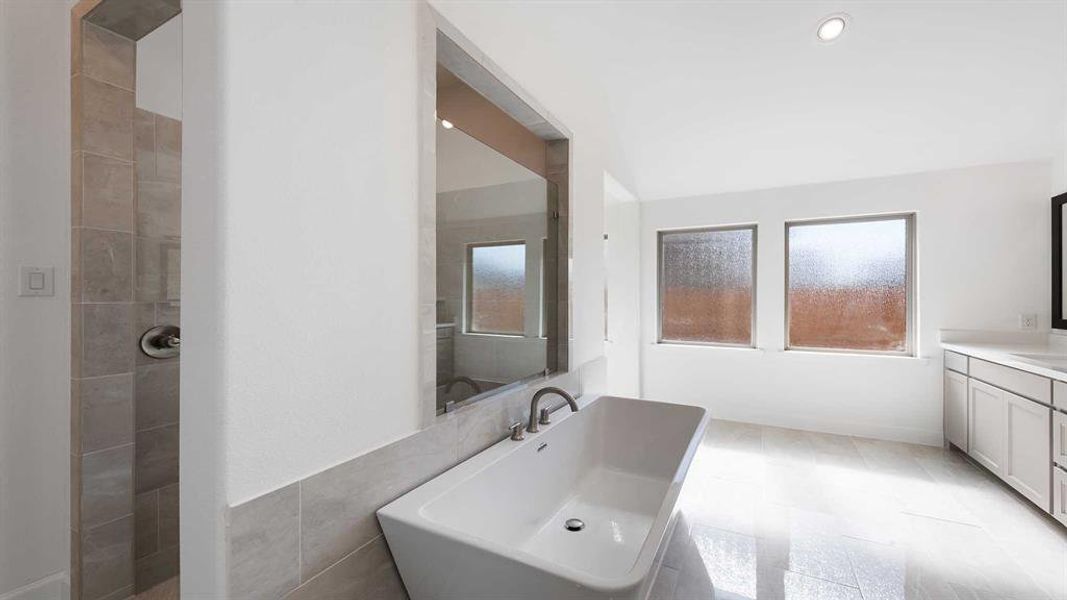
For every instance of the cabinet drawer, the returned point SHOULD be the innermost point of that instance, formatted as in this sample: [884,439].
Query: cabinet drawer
[1025,384]
[1059,495]
[1059,395]
[1059,438]
[958,363]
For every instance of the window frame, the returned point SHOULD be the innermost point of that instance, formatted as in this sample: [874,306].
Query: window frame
[468,288]
[910,266]
[660,282]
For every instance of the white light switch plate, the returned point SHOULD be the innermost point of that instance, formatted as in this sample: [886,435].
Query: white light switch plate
[37,281]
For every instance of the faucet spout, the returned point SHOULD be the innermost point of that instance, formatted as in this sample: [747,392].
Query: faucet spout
[532,425]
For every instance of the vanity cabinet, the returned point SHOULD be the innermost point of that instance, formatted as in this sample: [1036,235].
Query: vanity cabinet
[1059,494]
[956,409]
[1027,459]
[986,428]
[1059,438]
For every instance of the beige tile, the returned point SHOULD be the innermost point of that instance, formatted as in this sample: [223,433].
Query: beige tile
[107,559]
[264,545]
[368,572]
[168,149]
[107,193]
[76,159]
[144,143]
[168,516]
[106,408]
[105,339]
[159,209]
[168,590]
[108,57]
[339,504]
[106,119]
[75,491]
[150,571]
[146,524]
[156,458]
[158,270]
[107,486]
[106,266]
[156,393]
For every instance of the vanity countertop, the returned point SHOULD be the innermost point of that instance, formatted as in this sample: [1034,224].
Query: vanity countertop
[1005,354]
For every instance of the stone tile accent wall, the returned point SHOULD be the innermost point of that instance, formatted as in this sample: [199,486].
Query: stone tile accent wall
[125,240]
[156,292]
[102,270]
[320,537]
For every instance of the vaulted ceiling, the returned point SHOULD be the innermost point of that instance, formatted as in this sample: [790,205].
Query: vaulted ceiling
[706,97]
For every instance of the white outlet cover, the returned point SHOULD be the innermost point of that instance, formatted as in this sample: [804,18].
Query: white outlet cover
[1028,321]
[37,281]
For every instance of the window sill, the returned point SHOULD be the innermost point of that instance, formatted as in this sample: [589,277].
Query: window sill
[708,346]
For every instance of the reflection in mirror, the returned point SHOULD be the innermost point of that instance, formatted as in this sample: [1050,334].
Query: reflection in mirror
[1059,263]
[492,224]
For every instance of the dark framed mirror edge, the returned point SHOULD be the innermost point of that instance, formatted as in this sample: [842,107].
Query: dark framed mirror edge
[1058,320]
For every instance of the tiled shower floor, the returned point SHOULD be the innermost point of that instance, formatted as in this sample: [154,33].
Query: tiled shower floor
[777,513]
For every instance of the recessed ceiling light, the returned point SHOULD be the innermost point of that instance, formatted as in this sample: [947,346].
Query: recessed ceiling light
[446,124]
[831,28]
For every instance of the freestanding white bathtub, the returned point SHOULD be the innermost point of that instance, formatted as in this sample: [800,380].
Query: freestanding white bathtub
[493,527]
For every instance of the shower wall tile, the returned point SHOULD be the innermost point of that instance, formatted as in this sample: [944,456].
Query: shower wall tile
[156,458]
[105,333]
[107,193]
[76,159]
[107,559]
[368,572]
[108,57]
[157,568]
[339,504]
[168,149]
[264,545]
[144,144]
[159,209]
[107,485]
[106,266]
[146,524]
[106,119]
[106,409]
[158,270]
[157,395]
[168,516]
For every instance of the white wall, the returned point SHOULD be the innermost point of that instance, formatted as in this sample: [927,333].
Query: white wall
[1059,161]
[159,70]
[983,258]
[622,216]
[34,332]
[299,291]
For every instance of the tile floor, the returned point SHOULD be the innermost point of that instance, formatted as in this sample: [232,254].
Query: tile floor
[773,513]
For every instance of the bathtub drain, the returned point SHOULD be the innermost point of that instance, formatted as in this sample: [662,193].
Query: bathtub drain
[574,524]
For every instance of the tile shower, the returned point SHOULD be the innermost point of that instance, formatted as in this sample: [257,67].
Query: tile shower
[125,244]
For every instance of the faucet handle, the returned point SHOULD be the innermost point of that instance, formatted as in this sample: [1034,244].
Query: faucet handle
[517,431]
[545,416]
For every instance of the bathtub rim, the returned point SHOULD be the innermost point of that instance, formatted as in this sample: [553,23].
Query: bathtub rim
[408,508]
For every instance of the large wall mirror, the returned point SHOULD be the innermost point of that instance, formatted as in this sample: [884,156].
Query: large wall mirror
[500,223]
[1059,299]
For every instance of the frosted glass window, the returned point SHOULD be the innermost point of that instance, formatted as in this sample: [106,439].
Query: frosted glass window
[706,285]
[497,288]
[850,285]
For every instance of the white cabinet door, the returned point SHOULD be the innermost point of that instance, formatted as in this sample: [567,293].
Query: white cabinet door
[985,425]
[1027,462]
[1059,495]
[1059,438]
[956,409]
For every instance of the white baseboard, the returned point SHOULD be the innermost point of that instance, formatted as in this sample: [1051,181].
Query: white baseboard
[53,587]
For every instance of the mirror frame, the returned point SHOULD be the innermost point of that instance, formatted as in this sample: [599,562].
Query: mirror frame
[1058,320]
[441,42]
